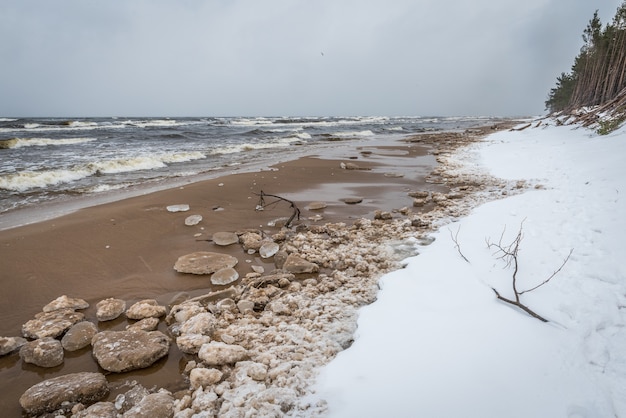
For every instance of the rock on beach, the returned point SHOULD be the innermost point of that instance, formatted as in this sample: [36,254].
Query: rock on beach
[296,264]
[11,344]
[201,377]
[251,241]
[317,205]
[147,308]
[146,324]
[154,405]
[109,309]
[51,324]
[45,352]
[122,351]
[67,390]
[65,302]
[191,343]
[218,353]
[79,336]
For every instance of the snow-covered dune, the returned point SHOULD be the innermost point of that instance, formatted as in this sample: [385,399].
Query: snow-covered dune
[438,343]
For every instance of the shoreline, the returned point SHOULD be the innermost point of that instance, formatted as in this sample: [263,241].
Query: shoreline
[131,244]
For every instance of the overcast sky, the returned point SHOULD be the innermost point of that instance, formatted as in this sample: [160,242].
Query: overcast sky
[286,57]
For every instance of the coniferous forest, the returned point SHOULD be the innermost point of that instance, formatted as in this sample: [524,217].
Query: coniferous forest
[598,75]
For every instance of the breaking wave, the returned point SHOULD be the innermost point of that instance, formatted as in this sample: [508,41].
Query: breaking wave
[252,146]
[33,179]
[353,134]
[40,142]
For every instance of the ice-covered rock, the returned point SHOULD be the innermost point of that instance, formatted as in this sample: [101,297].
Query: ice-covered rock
[64,391]
[251,369]
[154,405]
[245,306]
[79,336]
[193,220]
[191,343]
[146,324]
[51,324]
[226,305]
[109,309]
[218,353]
[205,403]
[224,239]
[11,344]
[296,264]
[202,377]
[65,302]
[182,312]
[45,352]
[224,276]
[382,215]
[204,262]
[147,308]
[203,323]
[251,241]
[131,398]
[98,410]
[121,351]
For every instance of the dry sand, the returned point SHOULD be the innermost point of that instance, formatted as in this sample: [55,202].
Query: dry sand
[127,249]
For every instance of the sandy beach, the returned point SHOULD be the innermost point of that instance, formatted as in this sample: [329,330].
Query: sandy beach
[126,249]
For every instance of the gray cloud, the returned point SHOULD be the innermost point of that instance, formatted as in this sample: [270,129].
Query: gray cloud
[286,57]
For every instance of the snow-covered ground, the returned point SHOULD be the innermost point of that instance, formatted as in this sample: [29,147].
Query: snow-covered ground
[437,342]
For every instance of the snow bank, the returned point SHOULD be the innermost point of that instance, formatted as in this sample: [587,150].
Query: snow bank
[437,343]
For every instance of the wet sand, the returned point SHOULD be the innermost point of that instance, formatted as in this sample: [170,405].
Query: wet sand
[127,249]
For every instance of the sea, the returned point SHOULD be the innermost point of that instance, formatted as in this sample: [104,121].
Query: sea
[45,160]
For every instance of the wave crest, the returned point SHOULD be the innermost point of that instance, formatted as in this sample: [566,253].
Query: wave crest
[27,180]
[40,142]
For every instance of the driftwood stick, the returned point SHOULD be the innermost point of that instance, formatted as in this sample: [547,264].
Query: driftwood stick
[519,305]
[510,255]
[261,205]
[455,239]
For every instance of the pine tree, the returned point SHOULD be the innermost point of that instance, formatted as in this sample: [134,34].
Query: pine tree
[599,71]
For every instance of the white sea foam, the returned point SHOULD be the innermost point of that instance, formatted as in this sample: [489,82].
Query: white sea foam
[251,146]
[26,180]
[353,134]
[7,120]
[81,124]
[99,188]
[123,165]
[251,122]
[41,142]
[152,123]
[31,179]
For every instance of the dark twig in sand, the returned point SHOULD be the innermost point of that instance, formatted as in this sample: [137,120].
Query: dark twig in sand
[261,205]
[509,254]
[455,239]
